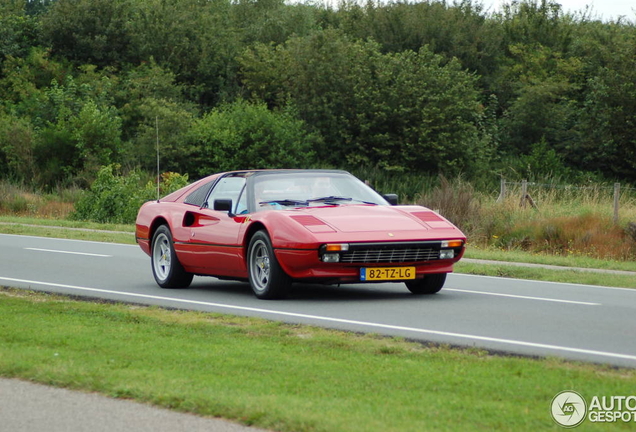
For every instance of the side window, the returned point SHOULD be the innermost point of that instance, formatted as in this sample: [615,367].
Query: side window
[197,197]
[226,188]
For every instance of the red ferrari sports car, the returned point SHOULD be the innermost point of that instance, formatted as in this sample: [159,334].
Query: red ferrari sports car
[273,227]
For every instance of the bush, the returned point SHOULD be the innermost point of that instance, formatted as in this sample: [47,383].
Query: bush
[116,198]
[249,136]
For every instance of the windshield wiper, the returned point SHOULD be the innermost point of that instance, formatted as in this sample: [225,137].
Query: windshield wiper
[330,198]
[366,202]
[285,202]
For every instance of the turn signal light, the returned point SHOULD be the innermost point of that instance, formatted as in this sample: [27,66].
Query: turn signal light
[452,243]
[336,247]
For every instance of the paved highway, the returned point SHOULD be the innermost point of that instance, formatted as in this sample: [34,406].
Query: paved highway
[526,317]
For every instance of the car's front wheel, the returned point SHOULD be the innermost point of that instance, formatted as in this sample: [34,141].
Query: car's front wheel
[430,284]
[267,279]
[168,271]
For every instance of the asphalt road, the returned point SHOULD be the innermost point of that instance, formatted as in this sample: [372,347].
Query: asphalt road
[577,322]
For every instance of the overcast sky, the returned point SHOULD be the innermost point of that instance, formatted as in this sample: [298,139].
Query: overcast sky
[604,9]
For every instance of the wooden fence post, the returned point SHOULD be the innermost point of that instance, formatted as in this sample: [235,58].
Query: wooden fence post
[524,193]
[502,191]
[617,195]
[525,196]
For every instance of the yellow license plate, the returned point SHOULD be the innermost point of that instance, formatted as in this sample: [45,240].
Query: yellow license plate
[386,273]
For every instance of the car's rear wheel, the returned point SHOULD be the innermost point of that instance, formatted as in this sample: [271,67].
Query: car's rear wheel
[430,284]
[168,271]
[267,279]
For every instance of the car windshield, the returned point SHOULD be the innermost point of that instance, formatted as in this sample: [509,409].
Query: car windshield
[304,189]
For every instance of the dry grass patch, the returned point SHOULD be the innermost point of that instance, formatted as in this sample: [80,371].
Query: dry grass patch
[565,222]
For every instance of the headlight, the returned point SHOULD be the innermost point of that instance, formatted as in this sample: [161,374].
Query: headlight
[446,254]
[331,257]
[330,253]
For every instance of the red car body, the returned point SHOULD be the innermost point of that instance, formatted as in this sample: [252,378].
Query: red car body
[208,228]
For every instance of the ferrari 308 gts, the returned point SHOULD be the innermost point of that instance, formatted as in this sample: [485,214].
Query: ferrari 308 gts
[274,227]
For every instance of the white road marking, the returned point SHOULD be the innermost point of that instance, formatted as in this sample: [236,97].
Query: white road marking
[342,321]
[55,239]
[524,297]
[69,252]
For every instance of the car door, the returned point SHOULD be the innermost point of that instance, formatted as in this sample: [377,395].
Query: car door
[213,246]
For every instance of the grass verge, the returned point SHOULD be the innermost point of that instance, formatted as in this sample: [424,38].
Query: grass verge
[280,376]
[110,233]
[540,274]
[549,259]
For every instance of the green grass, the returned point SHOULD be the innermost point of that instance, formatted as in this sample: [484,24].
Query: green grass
[111,233]
[549,259]
[63,223]
[540,274]
[280,376]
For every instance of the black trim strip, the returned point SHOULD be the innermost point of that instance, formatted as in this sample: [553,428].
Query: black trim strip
[207,244]
[236,246]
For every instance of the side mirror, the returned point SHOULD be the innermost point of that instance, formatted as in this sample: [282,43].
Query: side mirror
[223,204]
[391,198]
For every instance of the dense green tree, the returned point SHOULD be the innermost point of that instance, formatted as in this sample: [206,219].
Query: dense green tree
[543,107]
[90,31]
[152,107]
[18,30]
[37,7]
[242,135]
[191,38]
[607,125]
[401,111]
[318,73]
[273,21]
[79,135]
[17,160]
[453,29]
[164,124]
[71,124]
[421,86]
[194,40]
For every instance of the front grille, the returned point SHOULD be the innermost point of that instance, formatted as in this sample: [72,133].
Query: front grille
[390,254]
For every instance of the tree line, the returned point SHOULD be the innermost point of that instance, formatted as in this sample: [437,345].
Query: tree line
[405,87]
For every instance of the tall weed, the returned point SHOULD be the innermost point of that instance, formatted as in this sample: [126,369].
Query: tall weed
[19,199]
[564,220]
[457,201]
[567,220]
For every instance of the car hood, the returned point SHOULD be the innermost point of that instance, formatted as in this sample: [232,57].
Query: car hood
[369,218]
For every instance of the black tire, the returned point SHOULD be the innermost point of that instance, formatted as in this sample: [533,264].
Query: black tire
[430,284]
[166,268]
[267,279]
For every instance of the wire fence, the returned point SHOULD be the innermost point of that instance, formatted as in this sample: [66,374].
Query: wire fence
[528,193]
